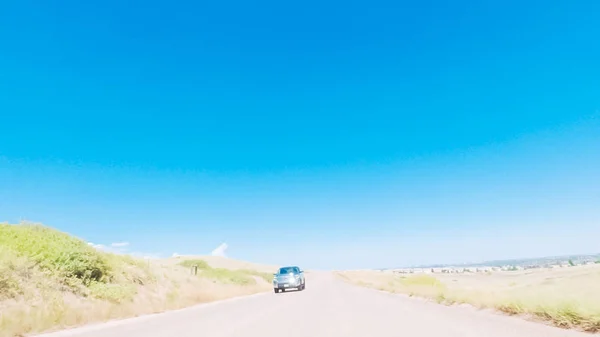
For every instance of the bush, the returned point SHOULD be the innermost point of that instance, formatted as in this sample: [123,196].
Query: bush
[77,266]
[56,252]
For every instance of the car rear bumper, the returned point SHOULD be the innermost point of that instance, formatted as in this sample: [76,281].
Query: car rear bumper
[287,285]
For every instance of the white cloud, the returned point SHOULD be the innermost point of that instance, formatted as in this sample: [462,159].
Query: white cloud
[120,247]
[220,251]
[123,248]
[144,255]
[98,246]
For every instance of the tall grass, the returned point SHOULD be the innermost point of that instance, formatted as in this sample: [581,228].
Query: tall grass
[12,268]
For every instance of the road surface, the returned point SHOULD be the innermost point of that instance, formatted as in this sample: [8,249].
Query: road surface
[327,308]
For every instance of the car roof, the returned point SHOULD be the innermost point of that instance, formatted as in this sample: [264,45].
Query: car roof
[288,267]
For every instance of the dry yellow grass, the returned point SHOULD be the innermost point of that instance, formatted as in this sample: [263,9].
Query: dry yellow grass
[568,298]
[50,280]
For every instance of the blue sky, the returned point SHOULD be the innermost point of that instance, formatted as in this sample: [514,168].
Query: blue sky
[325,134]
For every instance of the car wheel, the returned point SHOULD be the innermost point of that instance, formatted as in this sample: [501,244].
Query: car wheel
[282,290]
[276,290]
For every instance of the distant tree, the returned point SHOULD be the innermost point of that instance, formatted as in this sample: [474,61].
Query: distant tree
[571,263]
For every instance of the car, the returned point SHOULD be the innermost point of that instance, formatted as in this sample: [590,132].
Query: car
[290,277]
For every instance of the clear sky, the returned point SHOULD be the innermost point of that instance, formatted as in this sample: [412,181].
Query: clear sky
[328,134]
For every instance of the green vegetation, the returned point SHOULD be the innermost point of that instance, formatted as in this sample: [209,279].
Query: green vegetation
[50,279]
[56,252]
[43,270]
[79,267]
[240,276]
[571,263]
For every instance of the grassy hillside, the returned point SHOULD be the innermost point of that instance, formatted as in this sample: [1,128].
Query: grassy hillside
[228,263]
[51,280]
[223,275]
[568,298]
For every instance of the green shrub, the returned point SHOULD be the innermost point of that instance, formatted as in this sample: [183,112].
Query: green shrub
[80,268]
[56,252]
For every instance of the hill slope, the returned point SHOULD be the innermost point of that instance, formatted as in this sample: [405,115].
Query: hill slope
[228,263]
[51,280]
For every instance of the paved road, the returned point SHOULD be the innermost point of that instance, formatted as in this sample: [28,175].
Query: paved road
[327,308]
